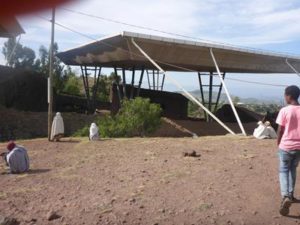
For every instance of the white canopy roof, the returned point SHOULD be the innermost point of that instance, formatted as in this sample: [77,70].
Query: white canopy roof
[176,55]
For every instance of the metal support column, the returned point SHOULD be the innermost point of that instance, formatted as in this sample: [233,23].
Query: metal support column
[211,80]
[219,94]
[97,76]
[157,80]
[227,93]
[140,82]
[91,93]
[132,83]
[148,80]
[153,75]
[187,94]
[117,82]
[210,102]
[124,82]
[87,88]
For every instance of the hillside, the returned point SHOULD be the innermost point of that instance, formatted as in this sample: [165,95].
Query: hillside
[223,98]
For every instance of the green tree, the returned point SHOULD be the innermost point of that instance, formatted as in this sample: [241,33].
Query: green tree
[42,65]
[17,55]
[71,83]
[137,117]
[104,86]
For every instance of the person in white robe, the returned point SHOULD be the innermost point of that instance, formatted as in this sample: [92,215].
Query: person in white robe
[264,131]
[261,132]
[94,132]
[58,129]
[271,130]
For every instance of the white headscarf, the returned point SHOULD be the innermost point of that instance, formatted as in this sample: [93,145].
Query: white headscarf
[94,132]
[57,126]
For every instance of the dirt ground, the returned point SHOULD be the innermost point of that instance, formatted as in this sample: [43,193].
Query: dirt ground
[147,181]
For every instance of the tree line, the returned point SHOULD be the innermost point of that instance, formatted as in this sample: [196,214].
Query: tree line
[64,78]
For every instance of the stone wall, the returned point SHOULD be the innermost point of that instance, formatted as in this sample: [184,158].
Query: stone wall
[24,125]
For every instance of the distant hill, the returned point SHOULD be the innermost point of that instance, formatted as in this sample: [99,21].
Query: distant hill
[223,98]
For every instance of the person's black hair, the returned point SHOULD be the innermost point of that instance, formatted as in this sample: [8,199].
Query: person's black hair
[293,91]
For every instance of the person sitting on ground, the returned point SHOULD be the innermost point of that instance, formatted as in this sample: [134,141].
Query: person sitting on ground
[261,131]
[264,131]
[16,158]
[271,131]
[289,147]
[57,130]
[94,132]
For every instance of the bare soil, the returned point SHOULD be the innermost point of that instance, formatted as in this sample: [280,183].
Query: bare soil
[147,181]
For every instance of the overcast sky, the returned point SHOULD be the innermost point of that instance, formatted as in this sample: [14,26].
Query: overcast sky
[265,24]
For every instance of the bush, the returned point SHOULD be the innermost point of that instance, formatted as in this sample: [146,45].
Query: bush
[83,132]
[136,117]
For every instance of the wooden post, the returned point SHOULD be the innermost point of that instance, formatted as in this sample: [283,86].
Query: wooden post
[50,80]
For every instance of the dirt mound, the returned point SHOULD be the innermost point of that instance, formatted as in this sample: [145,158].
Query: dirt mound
[226,114]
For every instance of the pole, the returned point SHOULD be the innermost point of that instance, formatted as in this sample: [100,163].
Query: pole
[227,93]
[186,93]
[50,80]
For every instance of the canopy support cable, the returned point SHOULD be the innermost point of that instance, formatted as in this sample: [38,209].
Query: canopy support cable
[292,67]
[186,93]
[162,83]
[227,93]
